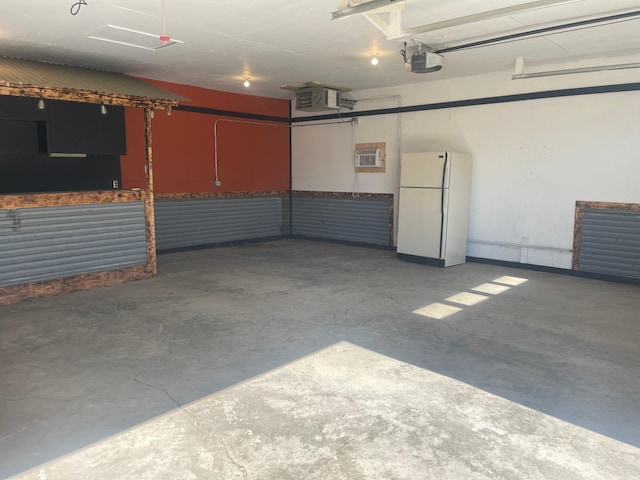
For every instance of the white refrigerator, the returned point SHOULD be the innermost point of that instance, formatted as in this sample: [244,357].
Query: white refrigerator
[433,210]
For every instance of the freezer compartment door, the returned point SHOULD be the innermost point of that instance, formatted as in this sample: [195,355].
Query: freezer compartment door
[426,170]
[419,222]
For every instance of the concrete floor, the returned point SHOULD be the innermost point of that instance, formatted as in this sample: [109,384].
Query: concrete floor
[295,359]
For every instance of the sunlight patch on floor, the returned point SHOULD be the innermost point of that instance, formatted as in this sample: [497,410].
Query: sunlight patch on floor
[440,311]
[437,311]
[467,298]
[513,281]
[490,288]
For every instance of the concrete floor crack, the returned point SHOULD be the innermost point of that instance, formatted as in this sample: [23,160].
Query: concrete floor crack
[155,364]
[2,439]
[361,434]
[240,467]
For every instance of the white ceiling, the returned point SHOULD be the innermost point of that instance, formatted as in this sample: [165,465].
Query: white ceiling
[277,42]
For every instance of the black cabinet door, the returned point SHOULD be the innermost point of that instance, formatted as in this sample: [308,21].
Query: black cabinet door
[22,136]
[74,127]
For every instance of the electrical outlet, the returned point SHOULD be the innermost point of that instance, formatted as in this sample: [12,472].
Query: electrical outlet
[217,183]
[115,184]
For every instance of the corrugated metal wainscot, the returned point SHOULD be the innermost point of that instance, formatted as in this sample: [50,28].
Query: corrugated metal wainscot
[191,222]
[361,220]
[610,242]
[46,243]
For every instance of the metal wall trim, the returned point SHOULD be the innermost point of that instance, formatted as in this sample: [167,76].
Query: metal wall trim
[362,220]
[607,239]
[46,243]
[194,222]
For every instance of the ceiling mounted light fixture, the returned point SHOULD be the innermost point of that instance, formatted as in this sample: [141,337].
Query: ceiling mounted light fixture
[41,104]
[247,83]
[363,8]
[374,60]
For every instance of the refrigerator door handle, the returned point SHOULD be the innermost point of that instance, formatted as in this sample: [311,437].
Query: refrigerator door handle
[444,171]
[442,200]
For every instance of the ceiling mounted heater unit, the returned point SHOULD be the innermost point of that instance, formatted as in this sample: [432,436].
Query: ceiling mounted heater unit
[314,99]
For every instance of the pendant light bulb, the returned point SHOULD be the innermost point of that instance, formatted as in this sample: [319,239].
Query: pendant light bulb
[374,60]
[41,105]
[247,83]
[103,109]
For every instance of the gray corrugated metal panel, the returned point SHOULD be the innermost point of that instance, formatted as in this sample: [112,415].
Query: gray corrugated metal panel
[45,243]
[191,222]
[610,242]
[286,215]
[29,73]
[360,220]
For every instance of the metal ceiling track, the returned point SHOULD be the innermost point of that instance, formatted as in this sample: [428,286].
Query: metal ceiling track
[542,31]
[394,30]
[488,15]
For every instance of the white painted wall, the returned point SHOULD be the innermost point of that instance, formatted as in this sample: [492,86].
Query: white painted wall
[532,160]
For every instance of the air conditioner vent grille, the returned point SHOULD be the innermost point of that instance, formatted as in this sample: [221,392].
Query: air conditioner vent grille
[368,157]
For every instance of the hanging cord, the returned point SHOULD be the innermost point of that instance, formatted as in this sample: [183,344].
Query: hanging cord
[75,8]
[164,21]
[356,186]
[164,37]
[403,52]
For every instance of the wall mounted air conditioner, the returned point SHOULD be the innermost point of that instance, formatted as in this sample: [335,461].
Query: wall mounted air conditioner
[368,157]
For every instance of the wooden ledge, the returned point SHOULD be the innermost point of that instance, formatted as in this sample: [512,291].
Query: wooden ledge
[19,293]
[34,200]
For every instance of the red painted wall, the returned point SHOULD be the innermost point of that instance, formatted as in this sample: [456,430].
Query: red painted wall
[250,157]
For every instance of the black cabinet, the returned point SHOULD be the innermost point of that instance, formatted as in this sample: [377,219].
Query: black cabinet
[29,136]
[74,127]
[23,136]
[41,173]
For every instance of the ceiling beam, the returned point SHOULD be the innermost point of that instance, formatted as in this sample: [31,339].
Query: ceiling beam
[390,30]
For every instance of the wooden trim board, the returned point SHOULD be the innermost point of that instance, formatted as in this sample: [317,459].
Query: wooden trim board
[18,293]
[35,200]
